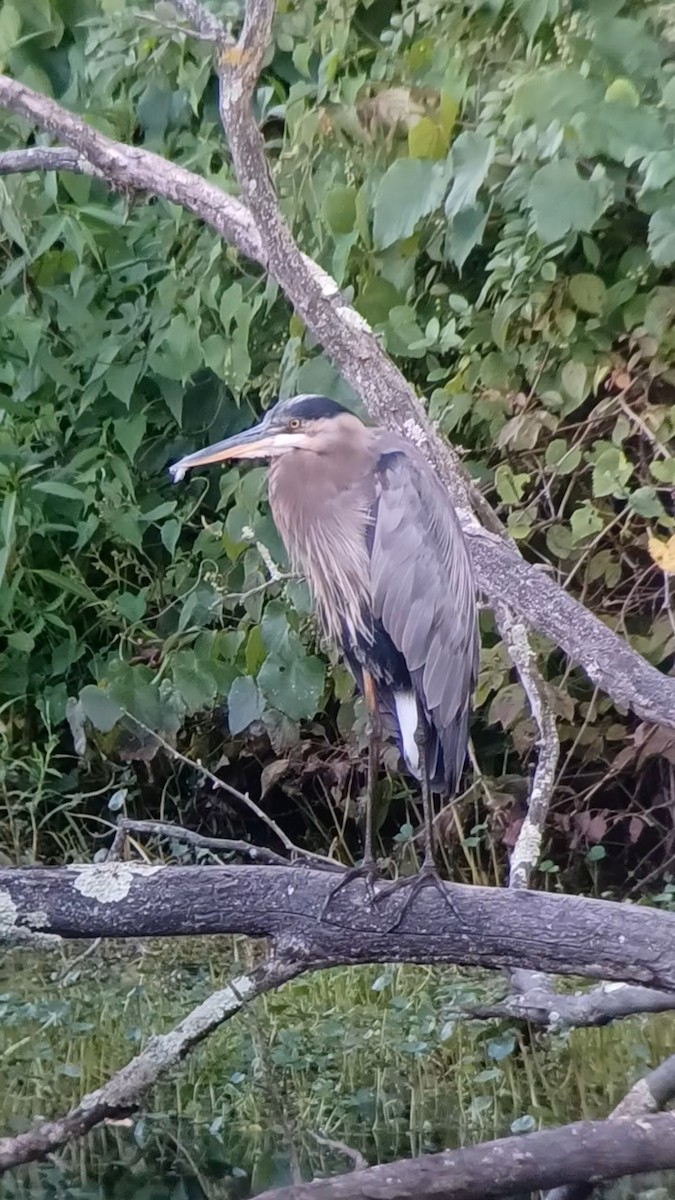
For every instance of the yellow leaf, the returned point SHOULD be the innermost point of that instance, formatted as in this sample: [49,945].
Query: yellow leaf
[663,553]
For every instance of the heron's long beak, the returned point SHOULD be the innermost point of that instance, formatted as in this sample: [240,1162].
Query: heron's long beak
[252,443]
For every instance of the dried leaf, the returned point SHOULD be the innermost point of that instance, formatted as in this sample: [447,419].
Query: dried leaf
[597,828]
[635,827]
[272,774]
[663,553]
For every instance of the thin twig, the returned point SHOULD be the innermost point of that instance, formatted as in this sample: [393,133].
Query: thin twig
[260,587]
[178,833]
[201,20]
[243,797]
[527,849]
[355,1156]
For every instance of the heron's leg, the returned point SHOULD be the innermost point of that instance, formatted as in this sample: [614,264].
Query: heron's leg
[427,804]
[368,867]
[374,753]
[427,874]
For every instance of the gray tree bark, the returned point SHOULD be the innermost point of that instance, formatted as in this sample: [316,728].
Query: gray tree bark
[493,928]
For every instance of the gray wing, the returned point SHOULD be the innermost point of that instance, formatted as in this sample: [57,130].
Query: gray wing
[424,594]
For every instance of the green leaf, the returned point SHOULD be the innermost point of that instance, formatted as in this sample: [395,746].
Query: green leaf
[53,487]
[169,533]
[588,292]
[510,487]
[575,380]
[131,605]
[558,90]
[99,708]
[663,471]
[122,379]
[410,189]
[10,29]
[562,202]
[339,209]
[622,91]
[129,432]
[243,704]
[66,583]
[661,237]
[611,473]
[586,521]
[405,335]
[426,139]
[294,687]
[471,156]
[465,231]
[193,680]
[564,458]
[507,705]
[645,502]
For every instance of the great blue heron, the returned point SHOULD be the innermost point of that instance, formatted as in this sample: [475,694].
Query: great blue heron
[364,517]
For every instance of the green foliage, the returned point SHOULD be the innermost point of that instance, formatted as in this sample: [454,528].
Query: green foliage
[495,188]
[376,1055]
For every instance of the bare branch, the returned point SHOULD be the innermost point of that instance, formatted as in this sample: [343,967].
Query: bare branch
[44,158]
[201,20]
[178,833]
[648,1095]
[243,797]
[259,232]
[538,1003]
[125,1090]
[131,168]
[586,1151]
[495,928]
[528,846]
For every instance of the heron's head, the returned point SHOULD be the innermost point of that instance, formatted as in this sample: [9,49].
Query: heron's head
[300,423]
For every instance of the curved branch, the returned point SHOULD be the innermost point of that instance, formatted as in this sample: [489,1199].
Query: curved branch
[648,1095]
[131,168]
[125,1090]
[586,1151]
[259,232]
[488,927]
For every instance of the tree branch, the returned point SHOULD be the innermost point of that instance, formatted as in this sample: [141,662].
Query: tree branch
[648,1095]
[586,1151]
[177,833]
[260,234]
[539,1004]
[134,169]
[44,158]
[528,846]
[494,928]
[125,1090]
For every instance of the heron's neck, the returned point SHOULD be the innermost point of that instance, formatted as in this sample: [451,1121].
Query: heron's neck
[321,504]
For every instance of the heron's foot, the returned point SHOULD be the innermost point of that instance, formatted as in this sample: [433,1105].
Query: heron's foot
[427,876]
[367,870]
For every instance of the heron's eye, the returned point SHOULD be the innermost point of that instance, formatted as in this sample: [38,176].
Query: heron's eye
[294,423]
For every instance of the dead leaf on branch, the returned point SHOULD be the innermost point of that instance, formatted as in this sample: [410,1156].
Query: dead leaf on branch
[662,553]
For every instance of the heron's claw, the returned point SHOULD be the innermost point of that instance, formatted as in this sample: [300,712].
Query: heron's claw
[427,876]
[367,870]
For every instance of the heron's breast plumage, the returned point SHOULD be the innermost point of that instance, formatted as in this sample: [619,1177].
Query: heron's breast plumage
[323,515]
